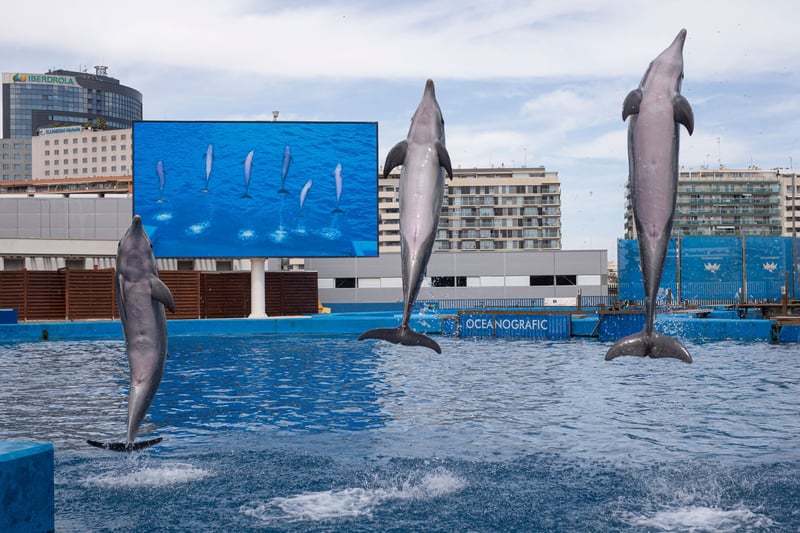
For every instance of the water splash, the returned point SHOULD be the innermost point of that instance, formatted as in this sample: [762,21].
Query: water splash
[356,501]
[160,476]
[197,229]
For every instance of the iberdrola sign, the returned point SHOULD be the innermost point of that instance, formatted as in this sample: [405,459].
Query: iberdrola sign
[51,79]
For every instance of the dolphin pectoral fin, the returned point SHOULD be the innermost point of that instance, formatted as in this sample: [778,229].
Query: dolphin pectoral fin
[395,157]
[444,158]
[125,446]
[655,346]
[683,112]
[120,296]
[401,335]
[631,104]
[160,292]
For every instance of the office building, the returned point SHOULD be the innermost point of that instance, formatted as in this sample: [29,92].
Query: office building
[484,209]
[64,98]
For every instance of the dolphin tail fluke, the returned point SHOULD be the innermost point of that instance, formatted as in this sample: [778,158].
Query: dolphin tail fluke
[125,446]
[655,346]
[401,335]
[283,190]
[205,190]
[337,210]
[245,195]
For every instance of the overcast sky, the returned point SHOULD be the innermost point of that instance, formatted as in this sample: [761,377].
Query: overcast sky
[519,82]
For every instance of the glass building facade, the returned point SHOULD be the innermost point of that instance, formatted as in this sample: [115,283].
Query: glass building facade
[63,97]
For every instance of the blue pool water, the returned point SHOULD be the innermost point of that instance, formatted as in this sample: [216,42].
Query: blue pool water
[330,434]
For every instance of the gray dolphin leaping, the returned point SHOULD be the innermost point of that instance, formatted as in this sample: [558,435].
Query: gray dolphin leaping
[141,298]
[656,108]
[424,159]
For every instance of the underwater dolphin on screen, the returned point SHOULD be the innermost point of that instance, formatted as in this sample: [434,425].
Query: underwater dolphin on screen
[248,168]
[655,109]
[303,194]
[162,180]
[424,159]
[287,162]
[141,298]
[209,157]
[337,178]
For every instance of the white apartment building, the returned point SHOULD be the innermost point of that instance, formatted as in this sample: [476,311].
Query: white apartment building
[78,152]
[504,209]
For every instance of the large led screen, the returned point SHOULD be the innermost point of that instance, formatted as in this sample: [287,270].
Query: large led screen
[257,189]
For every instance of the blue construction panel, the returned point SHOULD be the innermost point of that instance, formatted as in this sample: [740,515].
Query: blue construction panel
[768,262]
[615,327]
[795,282]
[789,333]
[711,268]
[631,286]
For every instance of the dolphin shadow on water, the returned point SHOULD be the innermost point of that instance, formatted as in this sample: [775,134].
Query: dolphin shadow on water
[655,110]
[424,159]
[141,298]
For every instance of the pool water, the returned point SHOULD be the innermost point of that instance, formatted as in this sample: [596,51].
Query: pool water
[330,434]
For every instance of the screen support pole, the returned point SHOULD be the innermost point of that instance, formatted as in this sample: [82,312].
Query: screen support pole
[257,299]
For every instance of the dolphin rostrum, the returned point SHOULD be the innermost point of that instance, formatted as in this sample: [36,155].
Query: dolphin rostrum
[424,159]
[141,298]
[209,157]
[656,109]
[248,168]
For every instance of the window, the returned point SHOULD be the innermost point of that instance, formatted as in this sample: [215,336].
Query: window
[345,283]
[562,279]
[542,281]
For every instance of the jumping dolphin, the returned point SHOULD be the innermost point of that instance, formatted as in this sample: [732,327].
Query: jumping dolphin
[248,167]
[162,180]
[141,298]
[656,108]
[337,177]
[209,157]
[287,162]
[303,194]
[424,159]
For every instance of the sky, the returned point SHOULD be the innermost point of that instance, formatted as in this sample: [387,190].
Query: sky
[520,82]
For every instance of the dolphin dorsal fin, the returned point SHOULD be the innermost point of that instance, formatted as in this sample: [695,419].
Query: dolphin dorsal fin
[444,158]
[395,157]
[683,112]
[631,104]
[160,292]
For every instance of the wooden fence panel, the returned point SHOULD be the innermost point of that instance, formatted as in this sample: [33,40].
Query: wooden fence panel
[225,294]
[90,294]
[185,288]
[45,295]
[12,291]
[291,293]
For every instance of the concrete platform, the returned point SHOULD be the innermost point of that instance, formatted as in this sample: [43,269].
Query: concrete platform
[27,492]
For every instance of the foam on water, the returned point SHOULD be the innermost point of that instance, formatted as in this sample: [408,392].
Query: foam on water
[356,501]
[159,476]
[697,519]
[197,229]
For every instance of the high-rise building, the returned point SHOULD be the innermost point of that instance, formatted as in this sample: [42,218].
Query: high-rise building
[727,201]
[76,152]
[64,98]
[484,209]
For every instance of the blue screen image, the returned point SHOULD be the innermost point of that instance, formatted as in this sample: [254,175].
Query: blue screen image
[257,189]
